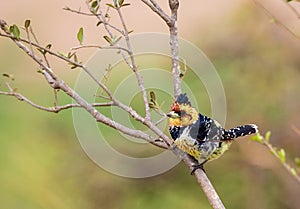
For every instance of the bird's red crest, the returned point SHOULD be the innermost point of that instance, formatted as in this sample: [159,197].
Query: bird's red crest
[175,107]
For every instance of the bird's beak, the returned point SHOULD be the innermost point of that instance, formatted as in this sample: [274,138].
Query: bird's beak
[173,114]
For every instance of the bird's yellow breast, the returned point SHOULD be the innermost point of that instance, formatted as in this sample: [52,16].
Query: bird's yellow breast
[188,146]
[175,122]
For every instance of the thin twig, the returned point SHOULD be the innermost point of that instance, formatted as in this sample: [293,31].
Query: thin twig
[56,83]
[77,11]
[36,40]
[160,120]
[276,153]
[134,66]
[54,109]
[107,25]
[62,58]
[285,165]
[94,14]
[172,24]
[132,63]
[99,47]
[276,21]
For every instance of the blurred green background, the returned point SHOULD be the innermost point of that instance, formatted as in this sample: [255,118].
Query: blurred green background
[42,164]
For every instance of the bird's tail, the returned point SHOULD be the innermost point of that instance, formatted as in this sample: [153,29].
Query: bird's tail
[241,131]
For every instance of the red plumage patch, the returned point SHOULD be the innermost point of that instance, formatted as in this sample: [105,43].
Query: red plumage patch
[175,107]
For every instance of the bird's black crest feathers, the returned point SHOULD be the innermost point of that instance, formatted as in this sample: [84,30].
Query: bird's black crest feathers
[183,99]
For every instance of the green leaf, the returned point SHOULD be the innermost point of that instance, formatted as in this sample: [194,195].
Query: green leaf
[62,54]
[121,2]
[289,0]
[80,35]
[294,173]
[7,29]
[27,23]
[48,46]
[126,4]
[39,71]
[94,4]
[281,154]
[41,50]
[74,66]
[108,39]
[152,96]
[257,138]
[273,20]
[153,103]
[267,136]
[116,40]
[94,7]
[112,6]
[273,152]
[75,58]
[116,3]
[15,31]
[70,55]
[99,23]
[10,76]
[44,51]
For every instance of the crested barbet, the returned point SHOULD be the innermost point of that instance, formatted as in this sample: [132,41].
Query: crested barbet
[200,136]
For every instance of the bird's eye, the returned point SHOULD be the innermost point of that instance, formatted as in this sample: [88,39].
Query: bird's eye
[183,113]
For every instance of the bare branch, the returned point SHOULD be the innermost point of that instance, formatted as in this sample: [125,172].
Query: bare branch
[54,109]
[174,4]
[57,109]
[158,10]
[201,177]
[208,189]
[56,83]
[173,28]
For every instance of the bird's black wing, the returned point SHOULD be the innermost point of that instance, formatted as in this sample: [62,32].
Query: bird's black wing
[200,128]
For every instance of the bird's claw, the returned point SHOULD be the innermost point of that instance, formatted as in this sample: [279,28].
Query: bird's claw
[196,167]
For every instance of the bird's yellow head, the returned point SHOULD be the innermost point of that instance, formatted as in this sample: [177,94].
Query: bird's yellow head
[182,113]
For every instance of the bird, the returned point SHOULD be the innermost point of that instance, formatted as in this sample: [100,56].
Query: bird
[203,138]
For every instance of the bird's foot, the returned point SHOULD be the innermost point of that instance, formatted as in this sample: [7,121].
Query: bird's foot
[196,167]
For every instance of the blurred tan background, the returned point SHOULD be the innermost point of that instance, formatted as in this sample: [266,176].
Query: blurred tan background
[43,166]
